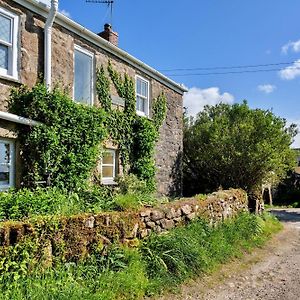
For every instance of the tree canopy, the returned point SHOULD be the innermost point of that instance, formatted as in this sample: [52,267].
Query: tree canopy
[233,146]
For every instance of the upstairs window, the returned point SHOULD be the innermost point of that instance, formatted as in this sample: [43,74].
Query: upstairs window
[142,96]
[8,43]
[108,166]
[7,164]
[83,76]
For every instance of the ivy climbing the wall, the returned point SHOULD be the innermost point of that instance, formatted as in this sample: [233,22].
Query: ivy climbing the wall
[135,135]
[65,145]
[68,142]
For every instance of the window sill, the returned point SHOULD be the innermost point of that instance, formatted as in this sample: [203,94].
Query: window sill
[142,114]
[10,78]
[5,188]
[108,182]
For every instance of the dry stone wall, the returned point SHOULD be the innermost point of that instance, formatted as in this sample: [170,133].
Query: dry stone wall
[78,234]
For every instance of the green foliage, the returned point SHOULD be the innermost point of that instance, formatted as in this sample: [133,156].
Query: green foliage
[125,89]
[136,136]
[133,193]
[66,145]
[103,88]
[235,146]
[116,272]
[142,161]
[189,251]
[159,110]
[130,184]
[119,276]
[16,262]
[25,203]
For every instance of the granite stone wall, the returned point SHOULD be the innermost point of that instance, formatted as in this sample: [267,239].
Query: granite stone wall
[31,64]
[78,234]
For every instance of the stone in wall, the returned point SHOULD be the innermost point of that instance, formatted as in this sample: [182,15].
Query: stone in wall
[80,233]
[31,67]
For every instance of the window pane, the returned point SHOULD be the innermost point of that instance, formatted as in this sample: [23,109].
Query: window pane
[5,29]
[4,175]
[138,86]
[4,153]
[108,158]
[83,77]
[144,89]
[137,103]
[140,104]
[3,57]
[107,172]
[4,163]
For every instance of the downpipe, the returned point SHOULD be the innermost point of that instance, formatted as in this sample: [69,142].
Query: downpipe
[48,42]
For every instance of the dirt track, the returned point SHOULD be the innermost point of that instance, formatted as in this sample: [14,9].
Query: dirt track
[270,273]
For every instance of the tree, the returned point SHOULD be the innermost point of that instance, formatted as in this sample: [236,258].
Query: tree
[233,146]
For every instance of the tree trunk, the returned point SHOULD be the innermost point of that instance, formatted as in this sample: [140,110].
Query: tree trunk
[255,201]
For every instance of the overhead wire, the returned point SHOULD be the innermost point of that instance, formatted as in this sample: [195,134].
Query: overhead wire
[235,72]
[226,67]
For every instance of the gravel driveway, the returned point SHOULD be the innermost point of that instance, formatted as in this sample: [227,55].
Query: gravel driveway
[270,273]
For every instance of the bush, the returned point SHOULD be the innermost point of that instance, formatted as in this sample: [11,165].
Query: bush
[234,146]
[131,193]
[25,203]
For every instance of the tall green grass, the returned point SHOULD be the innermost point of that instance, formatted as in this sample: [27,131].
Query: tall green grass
[157,264]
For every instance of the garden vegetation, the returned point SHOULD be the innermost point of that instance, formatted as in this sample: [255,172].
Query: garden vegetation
[157,264]
[234,146]
[67,146]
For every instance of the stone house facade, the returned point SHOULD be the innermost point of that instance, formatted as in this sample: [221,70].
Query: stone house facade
[75,52]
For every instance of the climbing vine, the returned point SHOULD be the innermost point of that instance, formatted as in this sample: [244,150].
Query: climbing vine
[135,135]
[66,146]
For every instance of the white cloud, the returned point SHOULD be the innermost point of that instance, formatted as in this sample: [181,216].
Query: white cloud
[293,46]
[266,88]
[65,12]
[195,99]
[296,143]
[290,72]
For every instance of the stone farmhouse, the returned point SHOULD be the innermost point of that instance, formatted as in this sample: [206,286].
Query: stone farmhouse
[36,39]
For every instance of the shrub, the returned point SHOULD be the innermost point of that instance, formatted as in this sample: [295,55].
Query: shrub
[25,203]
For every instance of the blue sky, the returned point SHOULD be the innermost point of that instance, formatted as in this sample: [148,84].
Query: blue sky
[171,34]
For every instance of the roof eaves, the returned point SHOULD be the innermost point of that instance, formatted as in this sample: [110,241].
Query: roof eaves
[85,33]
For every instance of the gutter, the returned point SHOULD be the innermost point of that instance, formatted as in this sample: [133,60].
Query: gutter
[88,35]
[48,42]
[18,119]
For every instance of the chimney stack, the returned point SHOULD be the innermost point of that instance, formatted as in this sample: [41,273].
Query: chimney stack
[109,35]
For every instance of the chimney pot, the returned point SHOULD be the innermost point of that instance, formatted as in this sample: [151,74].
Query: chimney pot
[109,35]
[107,27]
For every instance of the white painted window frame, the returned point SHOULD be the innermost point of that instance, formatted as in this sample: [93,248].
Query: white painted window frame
[11,164]
[12,71]
[109,180]
[143,113]
[91,54]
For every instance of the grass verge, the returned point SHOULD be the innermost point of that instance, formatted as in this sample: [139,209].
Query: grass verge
[158,263]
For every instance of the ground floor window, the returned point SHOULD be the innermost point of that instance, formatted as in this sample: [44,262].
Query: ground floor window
[108,166]
[7,164]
